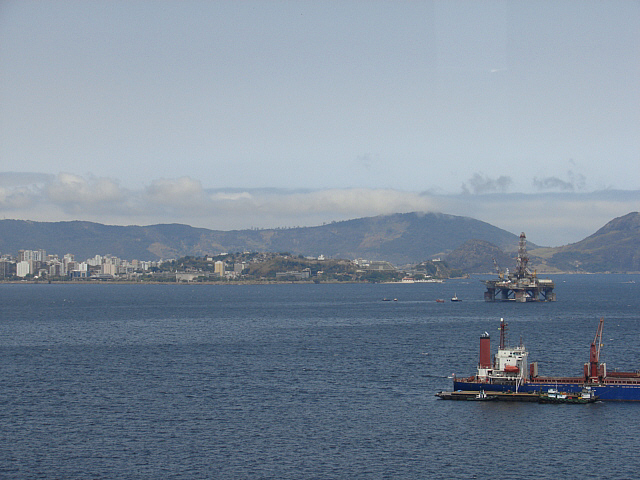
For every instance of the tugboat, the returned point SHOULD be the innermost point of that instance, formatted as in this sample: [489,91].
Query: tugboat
[455,298]
[554,396]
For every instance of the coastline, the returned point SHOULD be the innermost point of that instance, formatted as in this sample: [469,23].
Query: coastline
[90,281]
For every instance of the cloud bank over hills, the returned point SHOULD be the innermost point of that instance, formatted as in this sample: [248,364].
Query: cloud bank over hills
[563,214]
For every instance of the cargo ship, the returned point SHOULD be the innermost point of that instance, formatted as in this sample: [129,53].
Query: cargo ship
[510,372]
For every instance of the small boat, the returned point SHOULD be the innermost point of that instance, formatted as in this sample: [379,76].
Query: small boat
[455,298]
[483,397]
[439,300]
[552,395]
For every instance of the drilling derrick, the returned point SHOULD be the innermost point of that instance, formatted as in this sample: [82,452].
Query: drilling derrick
[522,285]
[523,258]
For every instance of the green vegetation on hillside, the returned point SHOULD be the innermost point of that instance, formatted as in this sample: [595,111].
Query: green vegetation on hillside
[467,245]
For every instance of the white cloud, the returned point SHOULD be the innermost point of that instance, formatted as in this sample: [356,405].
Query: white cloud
[351,202]
[170,191]
[230,196]
[547,218]
[72,191]
[17,198]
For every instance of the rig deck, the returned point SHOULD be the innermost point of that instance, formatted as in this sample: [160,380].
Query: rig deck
[522,285]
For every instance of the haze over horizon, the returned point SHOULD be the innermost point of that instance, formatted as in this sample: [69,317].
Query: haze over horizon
[233,115]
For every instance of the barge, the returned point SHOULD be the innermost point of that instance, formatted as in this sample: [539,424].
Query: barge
[551,396]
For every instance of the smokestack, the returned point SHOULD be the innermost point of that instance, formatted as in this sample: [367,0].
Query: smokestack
[485,351]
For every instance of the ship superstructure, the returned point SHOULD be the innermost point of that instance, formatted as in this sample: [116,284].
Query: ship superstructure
[509,365]
[521,285]
[509,371]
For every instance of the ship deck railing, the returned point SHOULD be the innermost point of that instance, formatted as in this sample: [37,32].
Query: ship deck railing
[556,380]
[632,379]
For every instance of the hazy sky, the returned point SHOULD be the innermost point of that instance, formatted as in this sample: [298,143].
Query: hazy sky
[263,114]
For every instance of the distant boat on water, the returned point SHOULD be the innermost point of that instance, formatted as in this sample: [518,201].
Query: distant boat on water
[455,298]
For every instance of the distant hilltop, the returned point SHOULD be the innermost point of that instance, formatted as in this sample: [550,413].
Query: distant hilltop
[399,238]
[402,239]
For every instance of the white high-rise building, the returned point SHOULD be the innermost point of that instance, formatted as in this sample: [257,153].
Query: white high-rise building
[23,268]
[33,255]
[67,264]
[95,261]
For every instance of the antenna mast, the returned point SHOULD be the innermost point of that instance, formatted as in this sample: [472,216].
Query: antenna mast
[503,333]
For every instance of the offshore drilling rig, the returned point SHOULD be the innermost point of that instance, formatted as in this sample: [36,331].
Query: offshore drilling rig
[520,286]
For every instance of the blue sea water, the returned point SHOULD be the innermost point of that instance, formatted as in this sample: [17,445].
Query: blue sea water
[302,381]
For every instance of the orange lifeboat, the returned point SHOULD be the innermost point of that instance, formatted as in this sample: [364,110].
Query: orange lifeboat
[511,369]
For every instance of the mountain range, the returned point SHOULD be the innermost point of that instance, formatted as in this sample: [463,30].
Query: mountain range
[402,239]
[613,248]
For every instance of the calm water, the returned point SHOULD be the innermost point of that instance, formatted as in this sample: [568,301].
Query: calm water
[301,381]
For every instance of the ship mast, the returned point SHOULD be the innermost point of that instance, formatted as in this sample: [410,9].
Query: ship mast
[503,333]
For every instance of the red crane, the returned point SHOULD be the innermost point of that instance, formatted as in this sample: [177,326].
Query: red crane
[594,357]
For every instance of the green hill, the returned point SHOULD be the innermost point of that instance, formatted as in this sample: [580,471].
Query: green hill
[402,239]
[613,248]
[406,238]
[477,256]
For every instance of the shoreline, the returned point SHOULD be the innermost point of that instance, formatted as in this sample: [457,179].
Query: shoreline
[263,282]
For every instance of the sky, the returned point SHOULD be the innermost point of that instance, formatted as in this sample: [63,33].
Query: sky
[261,114]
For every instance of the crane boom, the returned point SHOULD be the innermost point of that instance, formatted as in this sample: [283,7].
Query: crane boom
[594,357]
